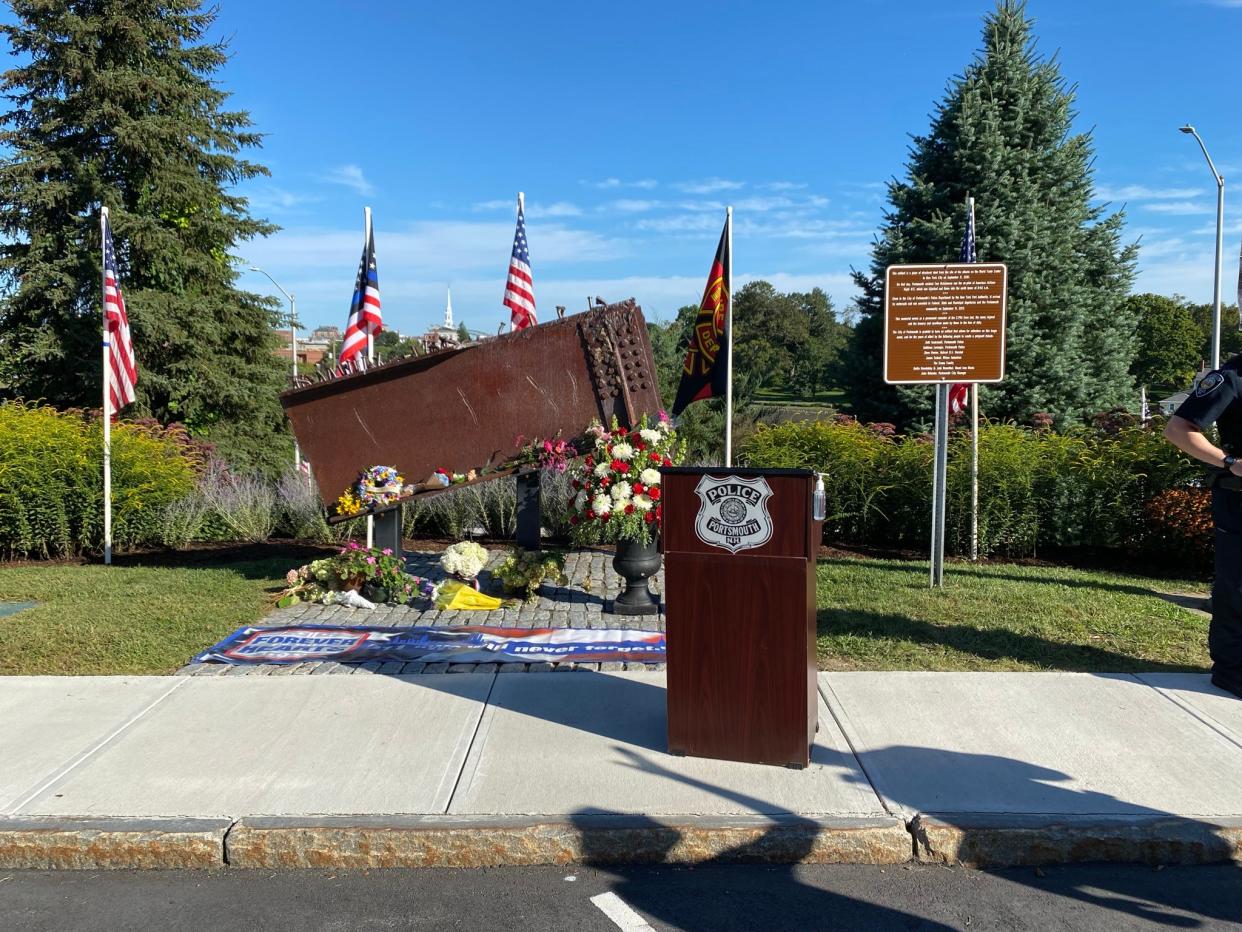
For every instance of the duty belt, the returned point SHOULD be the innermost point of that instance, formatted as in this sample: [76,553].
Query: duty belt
[1224,479]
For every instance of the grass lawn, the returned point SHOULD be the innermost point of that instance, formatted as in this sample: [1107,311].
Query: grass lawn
[881,615]
[150,615]
[782,396]
[131,617]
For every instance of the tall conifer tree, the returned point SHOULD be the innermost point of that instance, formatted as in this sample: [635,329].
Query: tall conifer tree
[1002,134]
[115,103]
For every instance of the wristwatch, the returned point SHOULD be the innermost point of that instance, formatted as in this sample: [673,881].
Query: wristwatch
[1229,461]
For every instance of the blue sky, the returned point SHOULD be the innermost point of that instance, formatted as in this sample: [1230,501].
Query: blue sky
[630,126]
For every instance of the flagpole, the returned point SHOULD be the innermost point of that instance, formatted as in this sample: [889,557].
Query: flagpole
[107,400]
[366,242]
[974,471]
[729,345]
[522,213]
[974,440]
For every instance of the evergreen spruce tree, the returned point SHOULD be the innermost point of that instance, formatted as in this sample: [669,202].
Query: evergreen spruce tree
[115,104]
[1002,134]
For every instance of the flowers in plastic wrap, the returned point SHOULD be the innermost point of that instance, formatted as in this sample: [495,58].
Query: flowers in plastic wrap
[615,489]
[452,595]
[464,560]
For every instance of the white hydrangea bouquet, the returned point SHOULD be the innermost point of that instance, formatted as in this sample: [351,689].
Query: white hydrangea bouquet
[616,486]
[464,560]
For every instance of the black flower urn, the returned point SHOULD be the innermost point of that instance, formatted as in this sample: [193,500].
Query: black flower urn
[636,562]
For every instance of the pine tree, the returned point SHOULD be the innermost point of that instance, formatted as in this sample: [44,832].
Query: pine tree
[463,335]
[1002,134]
[116,104]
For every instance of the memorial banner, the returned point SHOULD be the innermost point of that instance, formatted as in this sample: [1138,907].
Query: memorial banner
[464,644]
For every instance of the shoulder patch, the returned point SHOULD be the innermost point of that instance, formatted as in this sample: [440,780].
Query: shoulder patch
[1209,384]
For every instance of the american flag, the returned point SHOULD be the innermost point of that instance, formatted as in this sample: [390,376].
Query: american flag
[967,253]
[365,317]
[122,375]
[959,393]
[520,289]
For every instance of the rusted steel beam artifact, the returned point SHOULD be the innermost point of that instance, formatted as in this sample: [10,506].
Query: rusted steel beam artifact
[461,408]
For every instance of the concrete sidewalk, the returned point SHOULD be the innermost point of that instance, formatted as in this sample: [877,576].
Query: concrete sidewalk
[486,769]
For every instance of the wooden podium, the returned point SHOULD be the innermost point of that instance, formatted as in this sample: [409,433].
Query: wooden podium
[739,568]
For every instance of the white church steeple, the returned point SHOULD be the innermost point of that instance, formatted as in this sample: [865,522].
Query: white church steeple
[448,308]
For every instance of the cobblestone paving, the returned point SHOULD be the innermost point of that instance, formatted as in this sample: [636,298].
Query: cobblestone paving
[580,604]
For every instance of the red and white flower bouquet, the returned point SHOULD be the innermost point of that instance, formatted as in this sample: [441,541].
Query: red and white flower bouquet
[616,486]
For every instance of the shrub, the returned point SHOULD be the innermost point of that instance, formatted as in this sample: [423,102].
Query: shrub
[51,480]
[848,453]
[1100,487]
[1179,526]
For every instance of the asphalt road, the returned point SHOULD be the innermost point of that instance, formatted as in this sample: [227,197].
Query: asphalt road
[716,898]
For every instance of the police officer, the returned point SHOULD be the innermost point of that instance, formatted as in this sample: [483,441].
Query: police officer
[1217,399]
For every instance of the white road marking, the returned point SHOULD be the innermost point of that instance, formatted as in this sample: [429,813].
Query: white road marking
[620,913]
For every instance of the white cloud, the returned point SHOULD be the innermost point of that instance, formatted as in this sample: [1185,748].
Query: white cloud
[535,210]
[444,246]
[1139,192]
[681,223]
[631,206]
[272,198]
[1228,228]
[607,184]
[708,186]
[781,186]
[1181,208]
[762,204]
[350,176]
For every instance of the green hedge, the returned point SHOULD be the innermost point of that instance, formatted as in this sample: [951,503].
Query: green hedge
[1087,487]
[51,481]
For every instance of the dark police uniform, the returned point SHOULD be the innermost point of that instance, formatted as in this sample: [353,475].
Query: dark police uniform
[1218,399]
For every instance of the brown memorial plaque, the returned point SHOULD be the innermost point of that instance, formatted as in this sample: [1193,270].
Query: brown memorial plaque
[945,323]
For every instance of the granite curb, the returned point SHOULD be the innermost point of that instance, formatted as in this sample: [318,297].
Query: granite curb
[58,843]
[986,840]
[359,842]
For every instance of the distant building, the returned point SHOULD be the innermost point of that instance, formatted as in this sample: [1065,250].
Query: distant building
[1169,405]
[445,334]
[310,352]
[328,335]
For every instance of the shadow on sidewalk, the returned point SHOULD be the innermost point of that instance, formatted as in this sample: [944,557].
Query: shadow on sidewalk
[631,714]
[772,896]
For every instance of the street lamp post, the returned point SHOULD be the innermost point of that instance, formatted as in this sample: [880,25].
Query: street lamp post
[293,331]
[1220,243]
